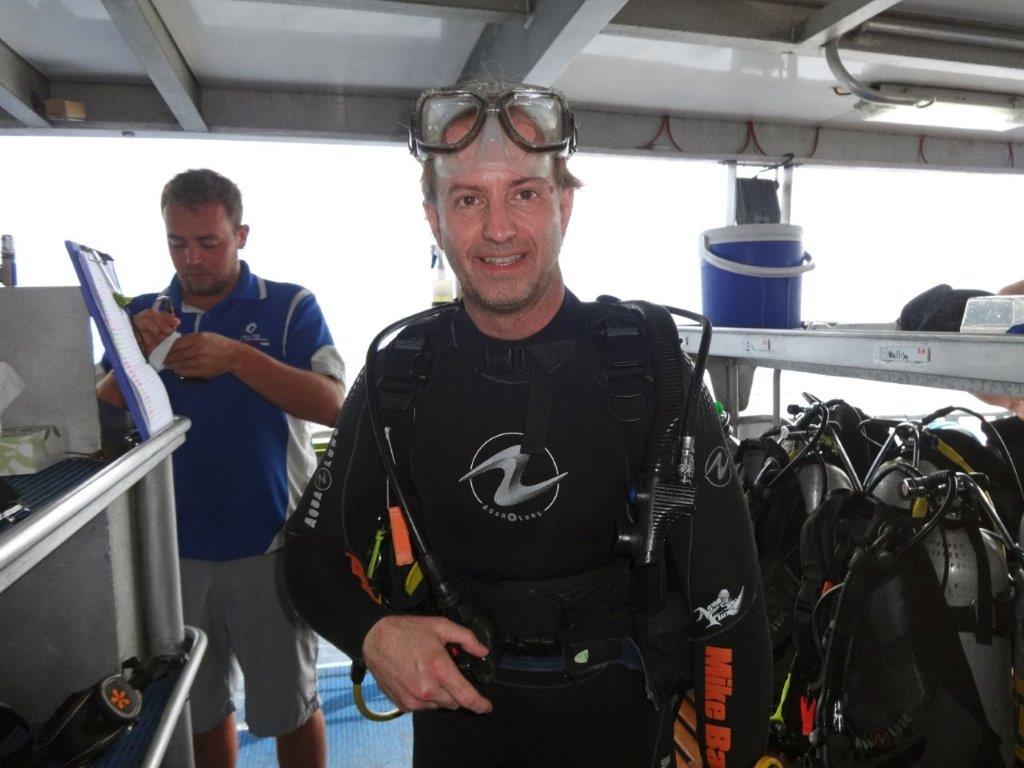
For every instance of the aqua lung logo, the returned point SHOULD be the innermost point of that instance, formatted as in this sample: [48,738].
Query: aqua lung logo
[322,479]
[321,482]
[718,470]
[508,484]
[250,328]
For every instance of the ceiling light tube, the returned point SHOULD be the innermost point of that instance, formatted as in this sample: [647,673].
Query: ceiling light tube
[965,110]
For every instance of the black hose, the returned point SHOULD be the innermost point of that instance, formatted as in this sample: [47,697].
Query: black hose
[989,431]
[811,445]
[899,466]
[702,358]
[431,568]
[452,603]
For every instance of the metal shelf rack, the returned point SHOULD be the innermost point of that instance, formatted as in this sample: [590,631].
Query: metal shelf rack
[103,553]
[969,362]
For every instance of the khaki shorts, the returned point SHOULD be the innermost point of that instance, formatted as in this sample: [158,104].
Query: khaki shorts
[242,607]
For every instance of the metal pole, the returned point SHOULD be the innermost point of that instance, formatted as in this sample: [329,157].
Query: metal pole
[176,709]
[160,586]
[776,397]
[732,370]
[786,204]
[730,194]
[957,35]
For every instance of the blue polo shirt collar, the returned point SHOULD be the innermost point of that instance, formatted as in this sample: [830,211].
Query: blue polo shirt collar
[249,287]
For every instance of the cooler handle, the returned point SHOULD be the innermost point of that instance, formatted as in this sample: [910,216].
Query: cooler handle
[704,248]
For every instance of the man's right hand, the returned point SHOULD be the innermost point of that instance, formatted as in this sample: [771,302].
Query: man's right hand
[154,327]
[409,661]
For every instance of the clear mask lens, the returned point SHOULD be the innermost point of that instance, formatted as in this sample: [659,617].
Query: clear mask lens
[537,119]
[446,120]
[494,149]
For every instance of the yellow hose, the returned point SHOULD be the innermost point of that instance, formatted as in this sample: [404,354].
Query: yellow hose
[769,762]
[369,714]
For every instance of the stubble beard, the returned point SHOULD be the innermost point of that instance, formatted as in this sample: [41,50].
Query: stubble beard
[497,305]
[208,289]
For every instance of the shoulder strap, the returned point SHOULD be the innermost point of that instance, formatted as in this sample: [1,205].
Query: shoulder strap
[406,370]
[622,360]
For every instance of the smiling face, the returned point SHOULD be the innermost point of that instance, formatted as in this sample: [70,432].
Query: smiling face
[204,244]
[500,218]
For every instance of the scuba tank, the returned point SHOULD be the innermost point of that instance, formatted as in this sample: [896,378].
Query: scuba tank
[917,658]
[960,557]
[955,556]
[817,481]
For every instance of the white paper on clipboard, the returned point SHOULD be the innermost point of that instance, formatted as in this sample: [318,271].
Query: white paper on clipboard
[143,391]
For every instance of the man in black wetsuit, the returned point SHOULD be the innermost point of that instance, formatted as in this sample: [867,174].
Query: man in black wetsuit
[519,420]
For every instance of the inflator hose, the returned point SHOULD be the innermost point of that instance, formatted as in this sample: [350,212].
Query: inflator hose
[453,603]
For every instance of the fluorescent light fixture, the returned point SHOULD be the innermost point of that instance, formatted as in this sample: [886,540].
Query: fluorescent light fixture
[967,110]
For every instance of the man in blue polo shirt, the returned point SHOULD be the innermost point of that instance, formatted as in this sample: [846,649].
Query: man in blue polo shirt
[250,362]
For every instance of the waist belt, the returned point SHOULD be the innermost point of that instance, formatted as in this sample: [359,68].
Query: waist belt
[579,659]
[543,618]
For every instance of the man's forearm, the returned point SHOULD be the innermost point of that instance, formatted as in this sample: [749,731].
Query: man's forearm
[1014,289]
[108,391]
[303,394]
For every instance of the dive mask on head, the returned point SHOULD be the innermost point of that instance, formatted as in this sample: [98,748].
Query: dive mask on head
[448,120]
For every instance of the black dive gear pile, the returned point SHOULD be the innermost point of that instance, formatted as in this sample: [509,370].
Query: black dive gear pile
[897,636]
[87,722]
[515,459]
[895,674]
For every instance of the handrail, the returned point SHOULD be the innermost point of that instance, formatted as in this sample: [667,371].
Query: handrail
[52,524]
[176,701]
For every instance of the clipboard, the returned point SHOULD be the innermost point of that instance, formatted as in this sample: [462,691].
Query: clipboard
[143,391]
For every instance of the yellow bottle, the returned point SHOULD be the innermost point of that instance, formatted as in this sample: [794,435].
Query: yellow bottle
[443,292]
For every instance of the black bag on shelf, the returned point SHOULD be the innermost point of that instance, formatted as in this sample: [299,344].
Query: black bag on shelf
[940,308]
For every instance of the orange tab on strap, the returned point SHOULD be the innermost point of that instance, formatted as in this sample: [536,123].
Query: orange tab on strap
[400,537]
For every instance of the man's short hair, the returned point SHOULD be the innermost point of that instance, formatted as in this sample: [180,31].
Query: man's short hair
[198,186]
[564,178]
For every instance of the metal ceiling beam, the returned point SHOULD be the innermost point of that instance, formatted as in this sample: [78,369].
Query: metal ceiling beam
[21,86]
[769,26]
[370,118]
[145,33]
[540,50]
[754,23]
[124,109]
[140,111]
[837,18]
[486,11]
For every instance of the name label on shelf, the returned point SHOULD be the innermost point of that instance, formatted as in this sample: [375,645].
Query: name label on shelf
[905,353]
[760,344]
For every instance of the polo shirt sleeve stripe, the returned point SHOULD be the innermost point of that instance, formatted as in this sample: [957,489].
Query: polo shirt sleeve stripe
[327,360]
[296,299]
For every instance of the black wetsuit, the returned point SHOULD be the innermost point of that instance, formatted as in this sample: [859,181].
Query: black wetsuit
[557,519]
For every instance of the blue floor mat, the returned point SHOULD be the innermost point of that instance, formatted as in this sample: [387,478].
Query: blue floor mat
[352,740]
